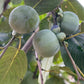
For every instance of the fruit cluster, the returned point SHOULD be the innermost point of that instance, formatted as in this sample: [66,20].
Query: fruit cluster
[25,19]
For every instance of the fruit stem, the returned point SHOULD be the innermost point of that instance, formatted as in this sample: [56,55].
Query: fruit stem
[74,35]
[39,66]
[28,44]
[73,63]
[54,17]
[80,71]
[37,4]
[6,46]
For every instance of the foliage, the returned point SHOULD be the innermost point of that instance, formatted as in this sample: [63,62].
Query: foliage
[43,7]
[23,68]
[12,69]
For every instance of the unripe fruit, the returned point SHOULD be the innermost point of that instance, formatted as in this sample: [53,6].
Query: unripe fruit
[69,23]
[61,36]
[23,19]
[46,43]
[55,29]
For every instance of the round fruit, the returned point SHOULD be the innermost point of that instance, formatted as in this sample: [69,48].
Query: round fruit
[46,43]
[69,23]
[23,19]
[55,29]
[61,36]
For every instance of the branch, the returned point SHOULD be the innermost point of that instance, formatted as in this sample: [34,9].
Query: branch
[6,46]
[26,47]
[5,6]
[39,66]
[73,63]
[28,44]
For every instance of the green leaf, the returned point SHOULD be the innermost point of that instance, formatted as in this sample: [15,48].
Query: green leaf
[16,1]
[4,26]
[57,58]
[82,27]
[66,69]
[54,70]
[1,5]
[55,80]
[28,79]
[44,24]
[57,70]
[7,12]
[74,6]
[80,40]
[76,48]
[12,69]
[43,6]
[42,16]
[4,23]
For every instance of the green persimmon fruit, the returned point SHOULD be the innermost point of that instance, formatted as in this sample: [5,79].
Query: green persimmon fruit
[46,43]
[55,29]
[69,23]
[23,19]
[61,36]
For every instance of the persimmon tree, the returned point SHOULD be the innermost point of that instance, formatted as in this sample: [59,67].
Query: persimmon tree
[41,42]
